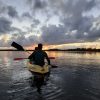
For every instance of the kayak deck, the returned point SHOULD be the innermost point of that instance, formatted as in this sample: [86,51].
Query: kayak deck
[38,69]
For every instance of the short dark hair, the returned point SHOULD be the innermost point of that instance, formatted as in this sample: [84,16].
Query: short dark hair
[36,48]
[40,46]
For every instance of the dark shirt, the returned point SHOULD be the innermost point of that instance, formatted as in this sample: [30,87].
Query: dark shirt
[38,57]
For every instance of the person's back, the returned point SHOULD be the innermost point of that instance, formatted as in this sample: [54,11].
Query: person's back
[39,56]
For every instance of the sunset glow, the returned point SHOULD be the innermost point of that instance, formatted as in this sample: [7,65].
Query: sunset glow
[65,24]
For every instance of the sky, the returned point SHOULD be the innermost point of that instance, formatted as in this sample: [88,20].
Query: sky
[58,23]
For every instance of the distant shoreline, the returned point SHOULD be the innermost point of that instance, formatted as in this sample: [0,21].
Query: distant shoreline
[69,50]
[12,50]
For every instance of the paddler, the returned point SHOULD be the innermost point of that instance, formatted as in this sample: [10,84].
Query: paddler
[39,56]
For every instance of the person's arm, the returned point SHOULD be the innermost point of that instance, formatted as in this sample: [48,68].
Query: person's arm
[48,60]
[31,56]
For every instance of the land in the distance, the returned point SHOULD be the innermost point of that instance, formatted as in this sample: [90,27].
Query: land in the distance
[76,49]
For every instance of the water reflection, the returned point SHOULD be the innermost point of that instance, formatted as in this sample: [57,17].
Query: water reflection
[76,58]
[77,77]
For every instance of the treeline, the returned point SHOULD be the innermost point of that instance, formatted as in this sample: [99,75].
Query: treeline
[85,49]
[13,50]
[76,49]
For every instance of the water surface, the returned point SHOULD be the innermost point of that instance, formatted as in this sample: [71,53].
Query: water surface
[76,78]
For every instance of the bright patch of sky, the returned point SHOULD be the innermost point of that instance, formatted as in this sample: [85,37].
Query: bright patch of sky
[20,5]
[21,24]
[95,12]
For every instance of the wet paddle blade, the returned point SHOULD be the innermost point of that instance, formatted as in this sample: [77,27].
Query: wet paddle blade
[17,46]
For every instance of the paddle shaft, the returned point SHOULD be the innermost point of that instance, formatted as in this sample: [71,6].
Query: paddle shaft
[27,58]
[27,52]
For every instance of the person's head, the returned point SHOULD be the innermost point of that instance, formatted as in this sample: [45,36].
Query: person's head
[36,48]
[40,46]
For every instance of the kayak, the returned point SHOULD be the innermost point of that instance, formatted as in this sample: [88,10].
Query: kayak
[38,69]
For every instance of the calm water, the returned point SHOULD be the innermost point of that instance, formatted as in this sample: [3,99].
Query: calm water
[76,78]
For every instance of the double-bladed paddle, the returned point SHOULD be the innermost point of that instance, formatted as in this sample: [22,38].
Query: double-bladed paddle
[27,58]
[20,48]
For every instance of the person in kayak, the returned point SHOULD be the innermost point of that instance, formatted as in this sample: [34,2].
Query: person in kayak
[39,56]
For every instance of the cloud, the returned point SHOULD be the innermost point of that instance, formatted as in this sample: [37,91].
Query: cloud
[75,21]
[5,25]
[39,8]
[19,38]
[53,34]
[33,39]
[12,12]
[26,15]
[94,32]
[35,23]
[24,41]
[37,4]
[8,10]
[2,8]
[70,13]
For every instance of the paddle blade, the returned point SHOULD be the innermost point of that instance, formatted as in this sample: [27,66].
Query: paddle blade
[17,46]
[54,66]
[20,58]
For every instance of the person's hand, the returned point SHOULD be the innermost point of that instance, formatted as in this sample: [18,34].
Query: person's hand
[43,69]
[49,64]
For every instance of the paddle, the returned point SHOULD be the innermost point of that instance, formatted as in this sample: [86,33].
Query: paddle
[19,58]
[27,58]
[54,66]
[18,47]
